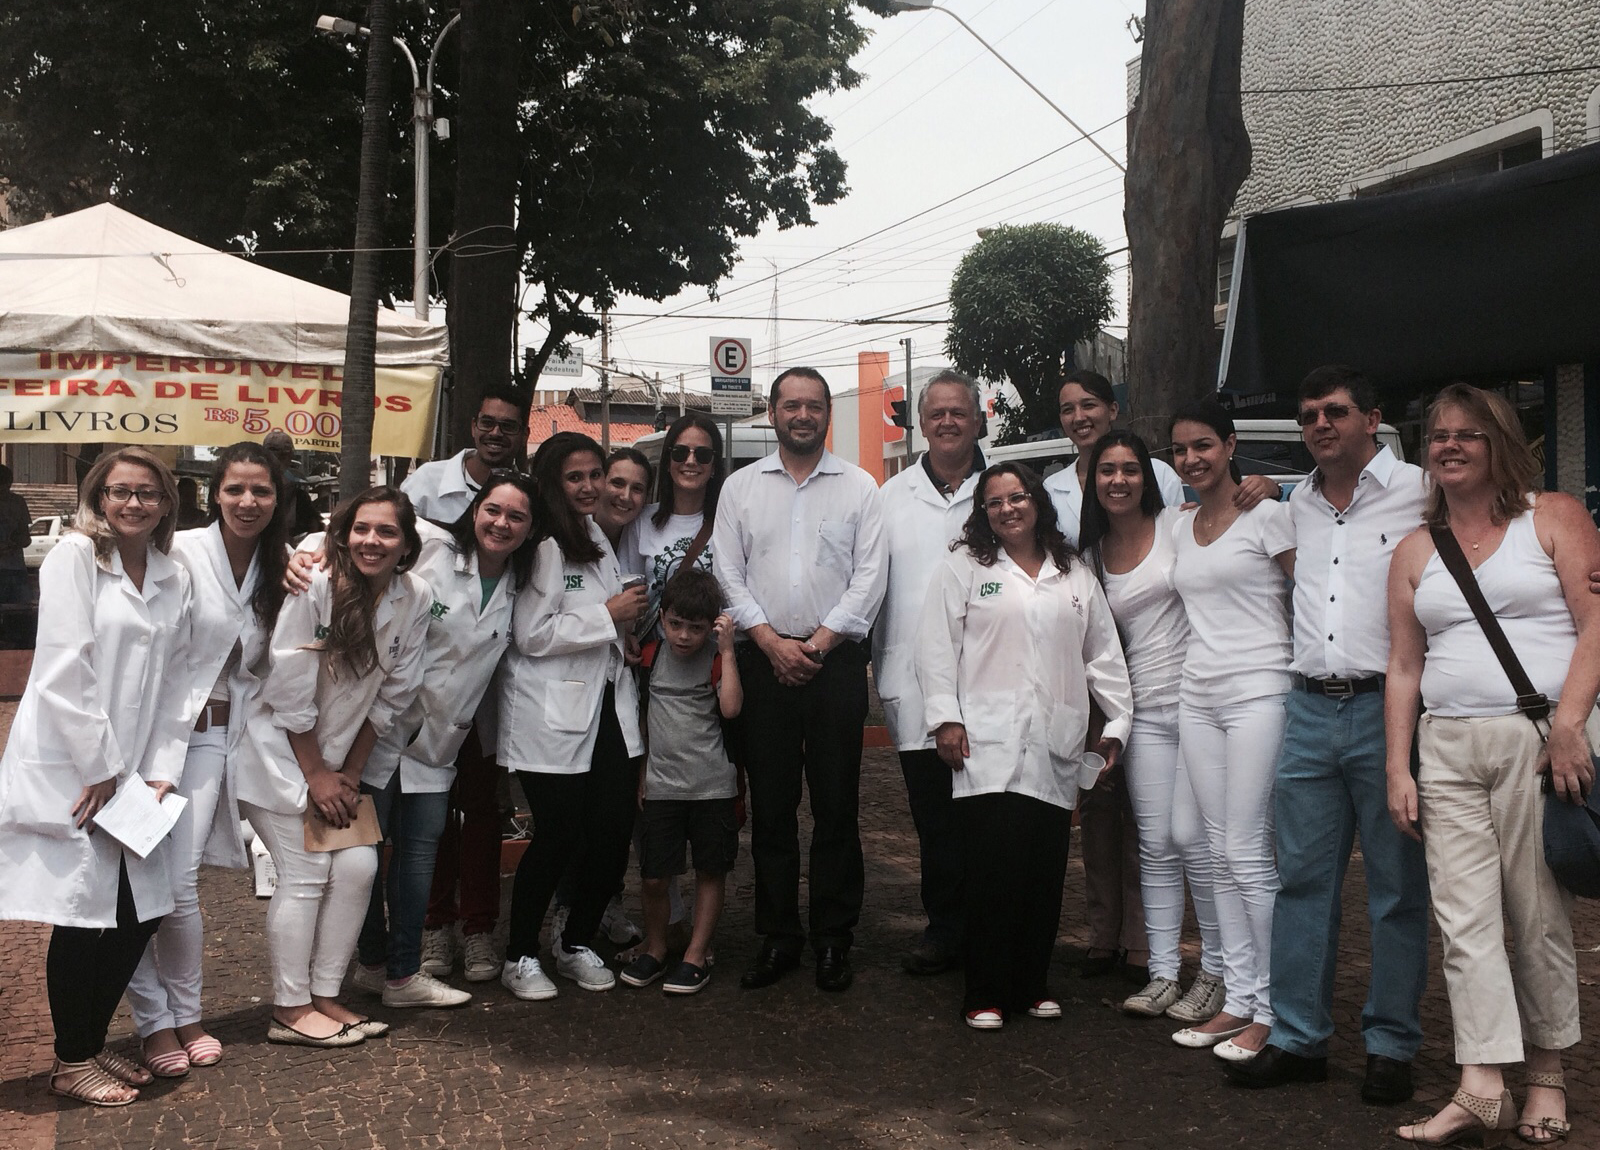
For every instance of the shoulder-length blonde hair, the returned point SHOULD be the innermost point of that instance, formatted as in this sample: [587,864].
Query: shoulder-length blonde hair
[1512,467]
[91,516]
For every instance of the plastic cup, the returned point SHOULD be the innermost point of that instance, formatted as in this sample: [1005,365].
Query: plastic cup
[1090,765]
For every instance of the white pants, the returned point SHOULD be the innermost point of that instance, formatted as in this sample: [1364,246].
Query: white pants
[165,990]
[316,913]
[1172,843]
[1231,756]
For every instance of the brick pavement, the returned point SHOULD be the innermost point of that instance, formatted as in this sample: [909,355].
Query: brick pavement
[886,1064]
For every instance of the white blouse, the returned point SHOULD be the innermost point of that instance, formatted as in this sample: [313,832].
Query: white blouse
[1151,619]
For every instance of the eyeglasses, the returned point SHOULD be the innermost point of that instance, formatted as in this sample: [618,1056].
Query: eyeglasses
[681,451]
[144,496]
[1334,412]
[487,423]
[1015,499]
[1441,438]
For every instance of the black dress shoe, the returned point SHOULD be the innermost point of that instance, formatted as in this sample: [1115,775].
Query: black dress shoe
[926,958]
[833,968]
[1100,965]
[1388,1081]
[1275,1066]
[771,965]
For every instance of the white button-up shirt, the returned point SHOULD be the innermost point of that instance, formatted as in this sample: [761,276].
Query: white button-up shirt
[442,490]
[1341,567]
[797,556]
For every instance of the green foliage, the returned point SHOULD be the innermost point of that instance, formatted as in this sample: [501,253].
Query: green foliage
[1019,300]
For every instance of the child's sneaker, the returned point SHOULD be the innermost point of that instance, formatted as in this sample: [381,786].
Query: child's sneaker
[643,970]
[687,979]
[584,967]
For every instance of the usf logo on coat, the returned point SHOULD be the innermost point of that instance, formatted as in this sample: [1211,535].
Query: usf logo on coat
[985,590]
[574,582]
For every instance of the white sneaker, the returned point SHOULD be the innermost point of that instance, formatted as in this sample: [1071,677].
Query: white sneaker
[423,990]
[558,923]
[524,979]
[438,955]
[368,978]
[1204,1000]
[615,925]
[1153,1000]
[480,962]
[584,967]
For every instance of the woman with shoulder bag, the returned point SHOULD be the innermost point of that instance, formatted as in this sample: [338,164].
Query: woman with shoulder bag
[1477,803]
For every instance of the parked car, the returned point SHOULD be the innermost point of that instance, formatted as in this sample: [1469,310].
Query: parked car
[46,533]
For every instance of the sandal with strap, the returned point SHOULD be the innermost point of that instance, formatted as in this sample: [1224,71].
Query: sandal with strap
[1495,1118]
[203,1051]
[169,1064]
[123,1069]
[89,1083]
[1553,1129]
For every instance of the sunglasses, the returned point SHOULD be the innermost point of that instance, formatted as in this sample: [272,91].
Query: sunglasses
[680,453]
[1334,412]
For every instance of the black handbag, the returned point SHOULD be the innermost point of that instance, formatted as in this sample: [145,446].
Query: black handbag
[1571,830]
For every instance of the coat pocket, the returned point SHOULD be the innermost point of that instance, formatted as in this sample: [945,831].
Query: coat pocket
[40,798]
[567,706]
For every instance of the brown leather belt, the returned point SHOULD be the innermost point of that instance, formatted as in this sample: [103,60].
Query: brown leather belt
[212,715]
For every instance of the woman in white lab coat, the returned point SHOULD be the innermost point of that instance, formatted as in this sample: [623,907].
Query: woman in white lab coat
[346,662]
[235,567]
[475,569]
[107,707]
[1016,639]
[569,720]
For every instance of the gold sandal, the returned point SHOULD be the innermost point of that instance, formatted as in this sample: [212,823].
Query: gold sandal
[123,1069]
[1555,1129]
[91,1084]
[1496,1117]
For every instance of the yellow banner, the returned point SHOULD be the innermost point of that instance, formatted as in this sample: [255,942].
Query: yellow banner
[116,397]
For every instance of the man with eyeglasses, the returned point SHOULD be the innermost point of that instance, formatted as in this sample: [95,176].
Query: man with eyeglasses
[443,489]
[1348,516]
[798,548]
[924,507]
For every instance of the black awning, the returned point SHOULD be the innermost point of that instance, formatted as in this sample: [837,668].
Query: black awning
[1496,274]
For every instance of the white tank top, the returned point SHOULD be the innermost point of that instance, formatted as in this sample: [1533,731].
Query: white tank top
[1461,677]
[1151,620]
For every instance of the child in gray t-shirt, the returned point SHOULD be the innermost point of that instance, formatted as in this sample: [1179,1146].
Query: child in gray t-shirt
[689,787]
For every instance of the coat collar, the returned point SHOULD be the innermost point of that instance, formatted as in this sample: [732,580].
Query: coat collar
[161,573]
[217,556]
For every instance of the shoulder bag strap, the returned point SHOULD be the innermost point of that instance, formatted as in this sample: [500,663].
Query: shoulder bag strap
[647,625]
[1529,701]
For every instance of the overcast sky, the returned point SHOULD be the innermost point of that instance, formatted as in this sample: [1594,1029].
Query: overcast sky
[934,116]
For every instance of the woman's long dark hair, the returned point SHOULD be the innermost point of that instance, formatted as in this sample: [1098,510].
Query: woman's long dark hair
[1095,524]
[665,496]
[464,530]
[1212,414]
[272,545]
[352,630]
[979,538]
[554,517]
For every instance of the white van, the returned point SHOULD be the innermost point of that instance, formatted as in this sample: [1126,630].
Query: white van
[751,441]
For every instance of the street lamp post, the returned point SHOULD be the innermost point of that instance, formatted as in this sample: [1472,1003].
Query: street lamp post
[421,120]
[929,6]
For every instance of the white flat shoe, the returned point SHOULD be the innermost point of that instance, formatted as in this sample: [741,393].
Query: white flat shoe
[1200,1039]
[1231,1051]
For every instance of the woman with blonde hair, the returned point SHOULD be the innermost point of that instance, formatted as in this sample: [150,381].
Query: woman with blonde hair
[106,708]
[1477,802]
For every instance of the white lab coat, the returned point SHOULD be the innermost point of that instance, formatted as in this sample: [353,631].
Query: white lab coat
[565,650]
[302,690]
[223,615]
[1016,660]
[108,697]
[464,646]
[919,524]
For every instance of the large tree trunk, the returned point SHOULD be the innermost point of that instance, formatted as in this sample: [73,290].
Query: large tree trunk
[1188,153]
[483,265]
[361,338]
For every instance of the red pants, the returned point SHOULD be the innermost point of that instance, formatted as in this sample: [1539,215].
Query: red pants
[469,849]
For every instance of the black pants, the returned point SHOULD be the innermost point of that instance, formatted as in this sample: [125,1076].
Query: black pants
[584,822]
[87,971]
[810,733]
[933,811]
[1016,851]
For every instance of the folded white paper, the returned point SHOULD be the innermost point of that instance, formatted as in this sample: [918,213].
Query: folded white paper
[137,819]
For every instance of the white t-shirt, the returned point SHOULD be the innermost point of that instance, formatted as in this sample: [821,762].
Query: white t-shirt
[657,552]
[1237,600]
[1151,619]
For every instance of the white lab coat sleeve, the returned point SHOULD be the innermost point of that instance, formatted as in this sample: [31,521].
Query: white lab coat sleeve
[628,557]
[178,703]
[290,690]
[404,680]
[63,674]
[729,554]
[869,577]
[543,624]
[1168,483]
[1105,668]
[939,640]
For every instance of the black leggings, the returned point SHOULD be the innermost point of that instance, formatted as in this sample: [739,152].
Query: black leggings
[87,971]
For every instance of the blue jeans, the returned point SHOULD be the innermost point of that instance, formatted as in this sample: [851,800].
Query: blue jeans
[412,822]
[1331,784]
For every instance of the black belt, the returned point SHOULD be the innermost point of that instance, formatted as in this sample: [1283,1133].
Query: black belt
[1335,687]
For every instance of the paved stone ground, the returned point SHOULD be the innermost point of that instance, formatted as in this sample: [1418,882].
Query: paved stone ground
[886,1064]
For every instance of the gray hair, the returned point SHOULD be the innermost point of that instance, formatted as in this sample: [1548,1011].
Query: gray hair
[949,375]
